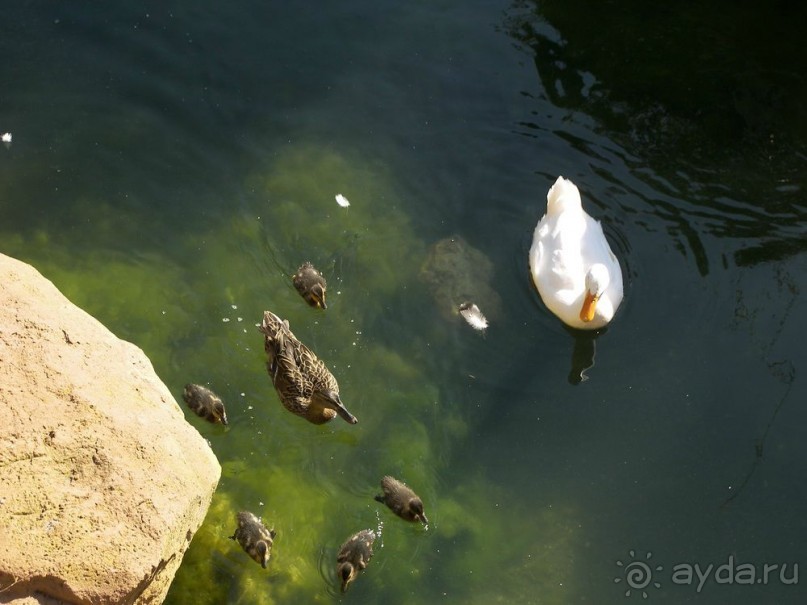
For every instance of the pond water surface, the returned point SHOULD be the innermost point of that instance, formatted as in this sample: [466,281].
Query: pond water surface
[173,163]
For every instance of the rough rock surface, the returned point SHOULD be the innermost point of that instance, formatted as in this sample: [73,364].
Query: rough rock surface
[456,272]
[102,481]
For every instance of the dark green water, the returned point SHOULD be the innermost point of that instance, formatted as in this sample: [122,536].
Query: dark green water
[173,163]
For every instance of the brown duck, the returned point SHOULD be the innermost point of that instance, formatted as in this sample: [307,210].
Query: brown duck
[354,555]
[254,538]
[303,383]
[402,500]
[311,285]
[205,403]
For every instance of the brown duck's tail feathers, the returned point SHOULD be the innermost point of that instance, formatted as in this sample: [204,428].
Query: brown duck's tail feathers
[380,499]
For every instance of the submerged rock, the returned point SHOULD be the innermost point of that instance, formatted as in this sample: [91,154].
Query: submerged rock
[104,482]
[456,272]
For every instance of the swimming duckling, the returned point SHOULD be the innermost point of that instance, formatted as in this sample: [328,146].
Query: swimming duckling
[354,555]
[303,383]
[205,403]
[311,285]
[254,538]
[402,500]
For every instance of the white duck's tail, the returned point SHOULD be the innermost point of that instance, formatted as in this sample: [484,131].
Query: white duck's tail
[562,197]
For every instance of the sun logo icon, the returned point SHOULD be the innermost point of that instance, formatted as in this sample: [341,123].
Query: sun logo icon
[638,575]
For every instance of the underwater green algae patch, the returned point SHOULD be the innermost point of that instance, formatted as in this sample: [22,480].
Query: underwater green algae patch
[139,299]
[362,245]
[315,485]
[316,489]
[491,548]
[217,570]
[195,313]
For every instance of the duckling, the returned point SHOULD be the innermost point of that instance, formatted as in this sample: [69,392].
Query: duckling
[303,383]
[402,500]
[205,403]
[311,285]
[354,555]
[254,538]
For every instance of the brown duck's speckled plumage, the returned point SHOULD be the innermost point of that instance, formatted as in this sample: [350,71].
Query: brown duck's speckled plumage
[311,285]
[205,403]
[254,538]
[354,555]
[305,386]
[400,498]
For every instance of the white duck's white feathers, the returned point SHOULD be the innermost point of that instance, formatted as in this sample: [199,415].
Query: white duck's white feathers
[566,244]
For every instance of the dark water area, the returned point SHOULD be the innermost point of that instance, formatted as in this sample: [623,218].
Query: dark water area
[173,163]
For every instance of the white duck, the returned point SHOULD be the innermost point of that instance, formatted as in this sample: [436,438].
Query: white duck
[577,275]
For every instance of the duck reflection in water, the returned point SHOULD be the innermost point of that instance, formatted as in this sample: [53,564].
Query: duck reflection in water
[585,349]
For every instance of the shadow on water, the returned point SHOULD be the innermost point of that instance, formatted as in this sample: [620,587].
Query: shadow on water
[585,349]
[709,113]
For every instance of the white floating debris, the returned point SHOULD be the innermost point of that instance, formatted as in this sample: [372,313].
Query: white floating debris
[225,319]
[7,139]
[473,316]
[342,200]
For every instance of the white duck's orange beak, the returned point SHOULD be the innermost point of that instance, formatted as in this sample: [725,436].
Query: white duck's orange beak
[589,307]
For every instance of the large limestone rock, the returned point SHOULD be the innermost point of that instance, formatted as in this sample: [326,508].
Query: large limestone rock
[102,481]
